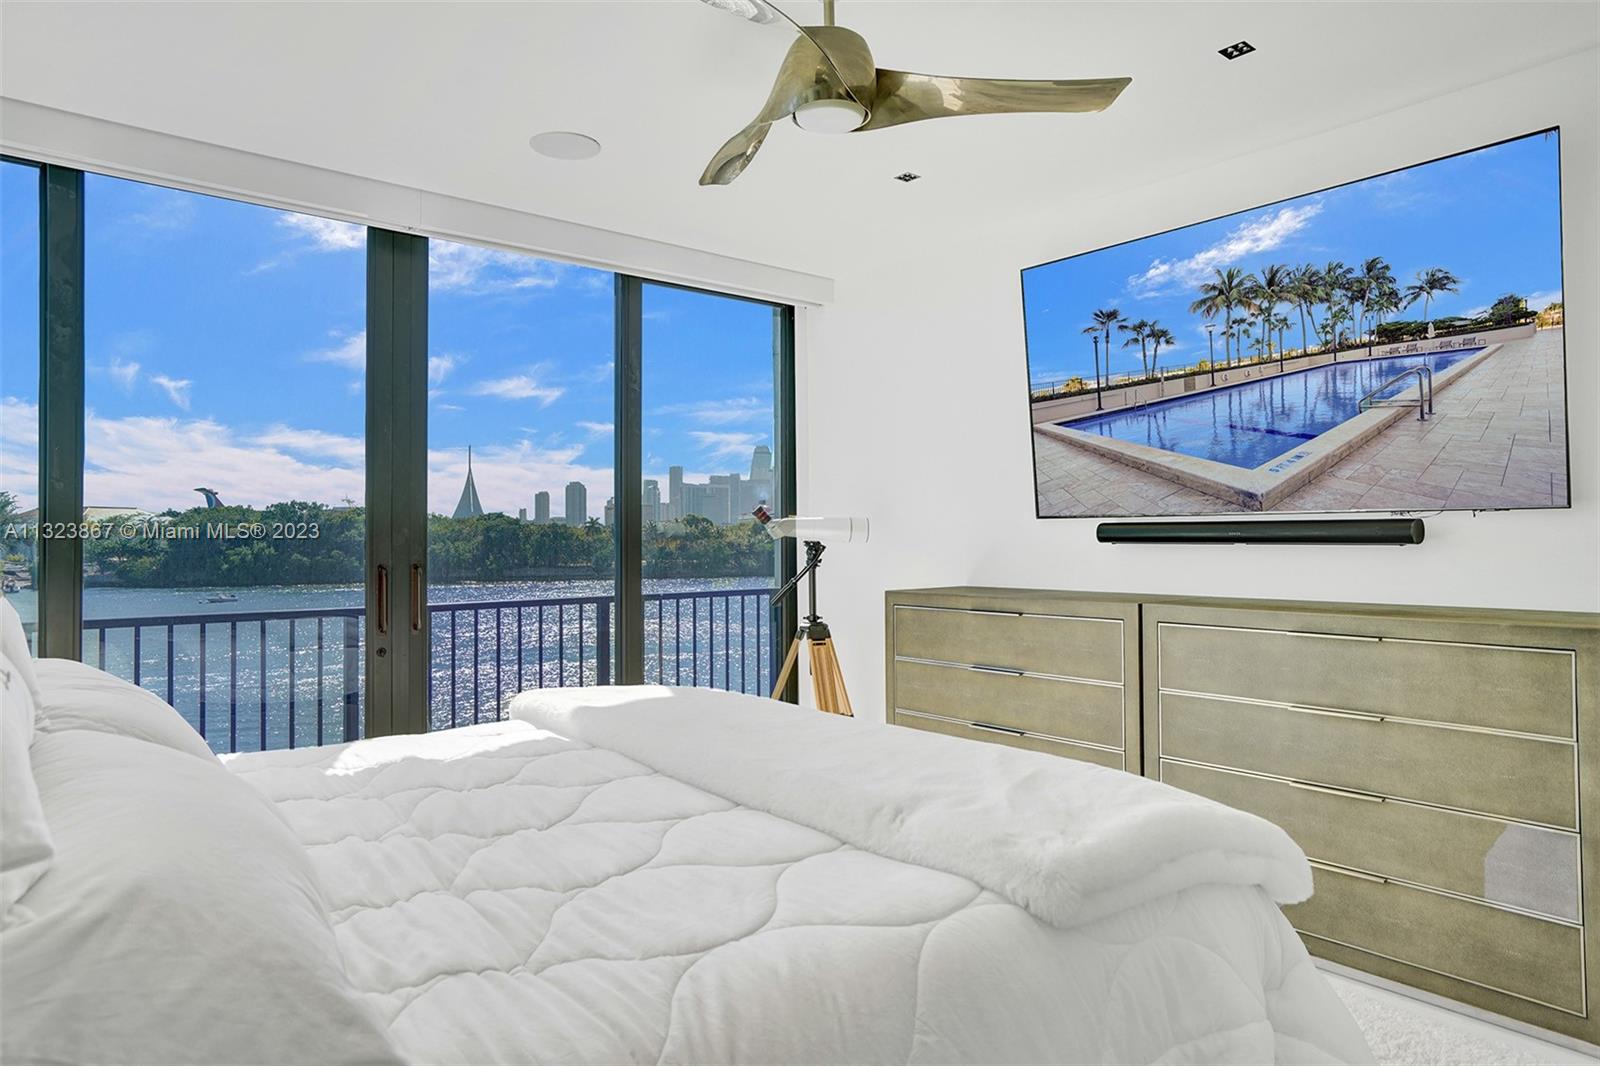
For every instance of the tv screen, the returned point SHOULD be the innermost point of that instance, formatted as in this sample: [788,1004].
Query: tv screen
[1393,344]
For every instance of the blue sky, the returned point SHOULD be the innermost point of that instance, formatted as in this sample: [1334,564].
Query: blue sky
[225,348]
[1491,217]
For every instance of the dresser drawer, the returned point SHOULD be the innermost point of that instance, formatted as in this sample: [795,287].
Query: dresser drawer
[1074,710]
[1507,863]
[1527,957]
[1525,690]
[1042,644]
[1101,756]
[1511,776]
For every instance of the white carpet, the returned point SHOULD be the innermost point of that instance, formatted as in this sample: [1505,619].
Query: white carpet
[1407,1032]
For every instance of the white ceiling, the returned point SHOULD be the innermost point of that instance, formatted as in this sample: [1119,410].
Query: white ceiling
[444,97]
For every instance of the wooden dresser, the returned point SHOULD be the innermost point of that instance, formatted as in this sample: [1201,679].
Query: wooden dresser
[1427,760]
[1051,671]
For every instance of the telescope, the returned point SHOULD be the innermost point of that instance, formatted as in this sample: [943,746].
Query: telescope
[827,678]
[831,530]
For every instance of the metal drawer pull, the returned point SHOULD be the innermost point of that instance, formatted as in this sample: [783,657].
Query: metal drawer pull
[1358,716]
[1359,875]
[997,729]
[997,670]
[1346,792]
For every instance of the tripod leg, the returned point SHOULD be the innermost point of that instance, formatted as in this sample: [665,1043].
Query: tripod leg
[788,668]
[828,680]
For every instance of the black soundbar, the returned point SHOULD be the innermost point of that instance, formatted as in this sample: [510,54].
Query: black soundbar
[1341,531]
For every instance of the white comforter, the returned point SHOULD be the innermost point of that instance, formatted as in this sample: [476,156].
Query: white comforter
[627,875]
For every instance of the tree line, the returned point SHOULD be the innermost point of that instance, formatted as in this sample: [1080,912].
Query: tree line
[329,547]
[1354,303]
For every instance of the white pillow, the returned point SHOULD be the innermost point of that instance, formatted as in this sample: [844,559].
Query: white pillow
[14,646]
[25,847]
[78,696]
[179,923]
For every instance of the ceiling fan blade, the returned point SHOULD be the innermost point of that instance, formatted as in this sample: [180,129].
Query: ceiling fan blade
[757,11]
[905,97]
[733,157]
[808,72]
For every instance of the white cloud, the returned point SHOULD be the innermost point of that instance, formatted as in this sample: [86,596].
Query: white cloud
[723,412]
[168,211]
[155,463]
[1248,238]
[1540,300]
[439,368]
[726,445]
[474,269]
[19,450]
[325,234]
[177,389]
[597,429]
[124,374]
[348,451]
[517,387]
[350,352]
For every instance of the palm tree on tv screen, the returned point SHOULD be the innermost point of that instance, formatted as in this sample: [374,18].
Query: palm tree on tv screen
[1336,278]
[1280,323]
[1223,294]
[1105,319]
[1267,292]
[1158,335]
[1138,333]
[1377,277]
[1429,283]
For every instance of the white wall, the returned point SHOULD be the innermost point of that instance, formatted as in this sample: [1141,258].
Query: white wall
[917,410]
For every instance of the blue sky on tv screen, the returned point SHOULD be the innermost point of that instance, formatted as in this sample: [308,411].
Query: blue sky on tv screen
[225,347]
[1492,217]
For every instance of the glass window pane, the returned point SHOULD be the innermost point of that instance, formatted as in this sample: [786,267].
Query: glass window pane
[19,383]
[225,362]
[710,457]
[520,512]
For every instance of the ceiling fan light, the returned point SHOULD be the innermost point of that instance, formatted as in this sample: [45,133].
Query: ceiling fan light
[830,116]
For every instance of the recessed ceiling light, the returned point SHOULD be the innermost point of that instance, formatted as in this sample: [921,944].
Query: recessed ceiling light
[907,176]
[1234,51]
[560,144]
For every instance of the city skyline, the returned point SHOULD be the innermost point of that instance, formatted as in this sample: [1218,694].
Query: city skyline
[722,498]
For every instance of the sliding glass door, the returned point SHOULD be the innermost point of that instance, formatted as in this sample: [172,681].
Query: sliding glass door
[521,509]
[225,364]
[315,480]
[711,455]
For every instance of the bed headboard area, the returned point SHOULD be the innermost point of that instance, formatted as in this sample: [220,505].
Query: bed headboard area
[1428,760]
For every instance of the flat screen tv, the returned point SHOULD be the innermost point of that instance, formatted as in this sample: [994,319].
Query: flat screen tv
[1392,344]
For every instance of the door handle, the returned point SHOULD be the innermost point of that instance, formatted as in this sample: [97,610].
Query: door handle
[383,600]
[416,597]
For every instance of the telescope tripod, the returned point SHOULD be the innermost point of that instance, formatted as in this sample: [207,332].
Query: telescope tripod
[827,680]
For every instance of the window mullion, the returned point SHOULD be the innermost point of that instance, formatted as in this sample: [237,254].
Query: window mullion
[61,410]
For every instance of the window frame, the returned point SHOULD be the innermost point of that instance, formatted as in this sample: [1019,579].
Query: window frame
[397,305]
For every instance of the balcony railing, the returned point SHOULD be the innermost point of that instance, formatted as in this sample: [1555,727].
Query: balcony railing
[254,680]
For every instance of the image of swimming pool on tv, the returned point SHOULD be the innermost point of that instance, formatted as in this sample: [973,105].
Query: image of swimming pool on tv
[1393,344]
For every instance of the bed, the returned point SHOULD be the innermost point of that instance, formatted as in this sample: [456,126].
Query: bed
[640,875]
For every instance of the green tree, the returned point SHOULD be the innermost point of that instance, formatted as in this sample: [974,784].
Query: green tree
[1222,295]
[1428,284]
[1106,319]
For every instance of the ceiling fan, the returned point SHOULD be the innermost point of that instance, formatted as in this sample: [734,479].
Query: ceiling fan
[828,84]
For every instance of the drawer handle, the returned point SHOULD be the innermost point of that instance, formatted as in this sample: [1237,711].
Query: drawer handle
[997,729]
[1345,792]
[1357,716]
[1359,875]
[1008,671]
